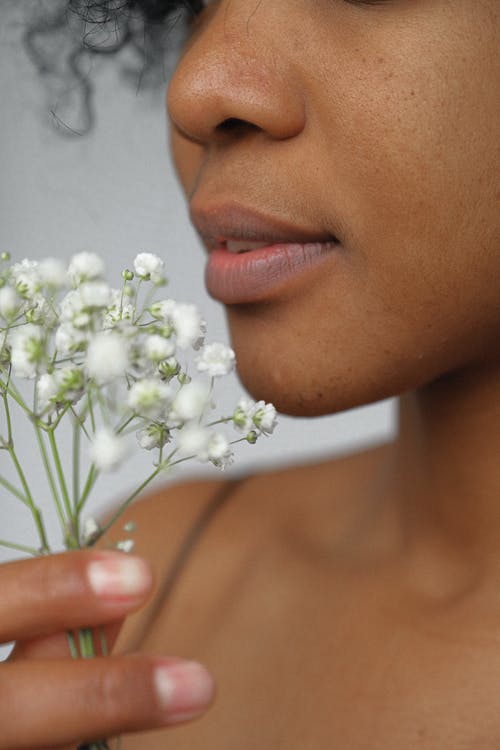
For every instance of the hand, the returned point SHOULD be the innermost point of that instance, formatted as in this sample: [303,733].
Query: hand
[48,699]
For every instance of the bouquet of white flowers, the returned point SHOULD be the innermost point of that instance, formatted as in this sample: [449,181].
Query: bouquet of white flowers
[111,361]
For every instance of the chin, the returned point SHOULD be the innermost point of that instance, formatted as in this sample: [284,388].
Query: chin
[300,380]
[301,392]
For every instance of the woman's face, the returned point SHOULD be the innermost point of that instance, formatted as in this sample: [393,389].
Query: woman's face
[377,123]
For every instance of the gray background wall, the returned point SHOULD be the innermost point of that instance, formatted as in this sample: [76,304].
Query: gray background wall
[115,192]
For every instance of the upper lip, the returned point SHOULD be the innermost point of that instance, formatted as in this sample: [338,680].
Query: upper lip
[218,223]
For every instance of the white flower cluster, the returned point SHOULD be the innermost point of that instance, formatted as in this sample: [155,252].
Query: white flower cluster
[86,344]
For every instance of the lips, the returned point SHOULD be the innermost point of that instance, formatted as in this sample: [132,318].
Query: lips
[253,256]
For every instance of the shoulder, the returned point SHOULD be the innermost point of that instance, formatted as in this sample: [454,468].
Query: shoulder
[202,537]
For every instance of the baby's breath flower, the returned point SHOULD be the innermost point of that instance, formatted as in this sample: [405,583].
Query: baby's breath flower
[64,385]
[10,302]
[205,444]
[107,356]
[157,348]
[94,295]
[39,310]
[162,309]
[190,328]
[26,278]
[85,267]
[53,273]
[149,397]
[242,416]
[117,310]
[153,436]
[219,450]
[190,401]
[90,530]
[193,440]
[107,450]
[169,368]
[71,310]
[215,359]
[69,339]
[185,319]
[149,266]
[125,545]
[75,335]
[264,417]
[71,382]
[46,392]
[27,350]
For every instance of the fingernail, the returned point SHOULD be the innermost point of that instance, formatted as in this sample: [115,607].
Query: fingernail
[119,575]
[184,689]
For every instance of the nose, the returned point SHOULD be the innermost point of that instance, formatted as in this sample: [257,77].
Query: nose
[235,77]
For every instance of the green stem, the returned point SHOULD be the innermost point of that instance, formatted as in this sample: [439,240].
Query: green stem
[92,477]
[222,420]
[86,641]
[72,645]
[91,411]
[50,476]
[71,537]
[125,504]
[20,547]
[7,417]
[125,424]
[134,303]
[79,418]
[10,487]
[6,388]
[76,462]
[36,513]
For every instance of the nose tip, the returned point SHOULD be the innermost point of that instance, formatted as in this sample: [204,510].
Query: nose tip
[231,81]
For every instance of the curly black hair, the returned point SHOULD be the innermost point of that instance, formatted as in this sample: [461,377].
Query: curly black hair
[62,34]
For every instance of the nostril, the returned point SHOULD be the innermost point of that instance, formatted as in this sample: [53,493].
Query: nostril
[232,124]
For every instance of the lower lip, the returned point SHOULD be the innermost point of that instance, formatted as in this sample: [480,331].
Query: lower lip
[248,277]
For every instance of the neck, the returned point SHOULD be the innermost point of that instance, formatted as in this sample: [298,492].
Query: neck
[443,474]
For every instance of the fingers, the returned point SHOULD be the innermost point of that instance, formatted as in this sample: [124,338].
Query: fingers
[69,590]
[66,701]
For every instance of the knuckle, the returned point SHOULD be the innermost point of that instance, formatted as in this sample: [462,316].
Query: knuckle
[104,694]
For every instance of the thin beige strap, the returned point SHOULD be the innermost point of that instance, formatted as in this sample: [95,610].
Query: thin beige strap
[201,522]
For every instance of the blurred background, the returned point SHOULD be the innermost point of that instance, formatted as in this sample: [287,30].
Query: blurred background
[114,192]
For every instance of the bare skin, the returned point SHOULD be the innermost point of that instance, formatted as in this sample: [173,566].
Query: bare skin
[352,603]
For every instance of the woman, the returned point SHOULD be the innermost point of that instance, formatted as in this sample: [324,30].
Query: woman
[352,603]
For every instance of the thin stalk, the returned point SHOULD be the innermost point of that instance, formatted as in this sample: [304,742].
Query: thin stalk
[134,303]
[50,475]
[20,547]
[10,487]
[92,477]
[79,418]
[76,462]
[37,516]
[86,641]
[91,411]
[125,504]
[103,642]
[72,645]
[16,396]
[60,473]
[125,424]
[7,417]
[222,420]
